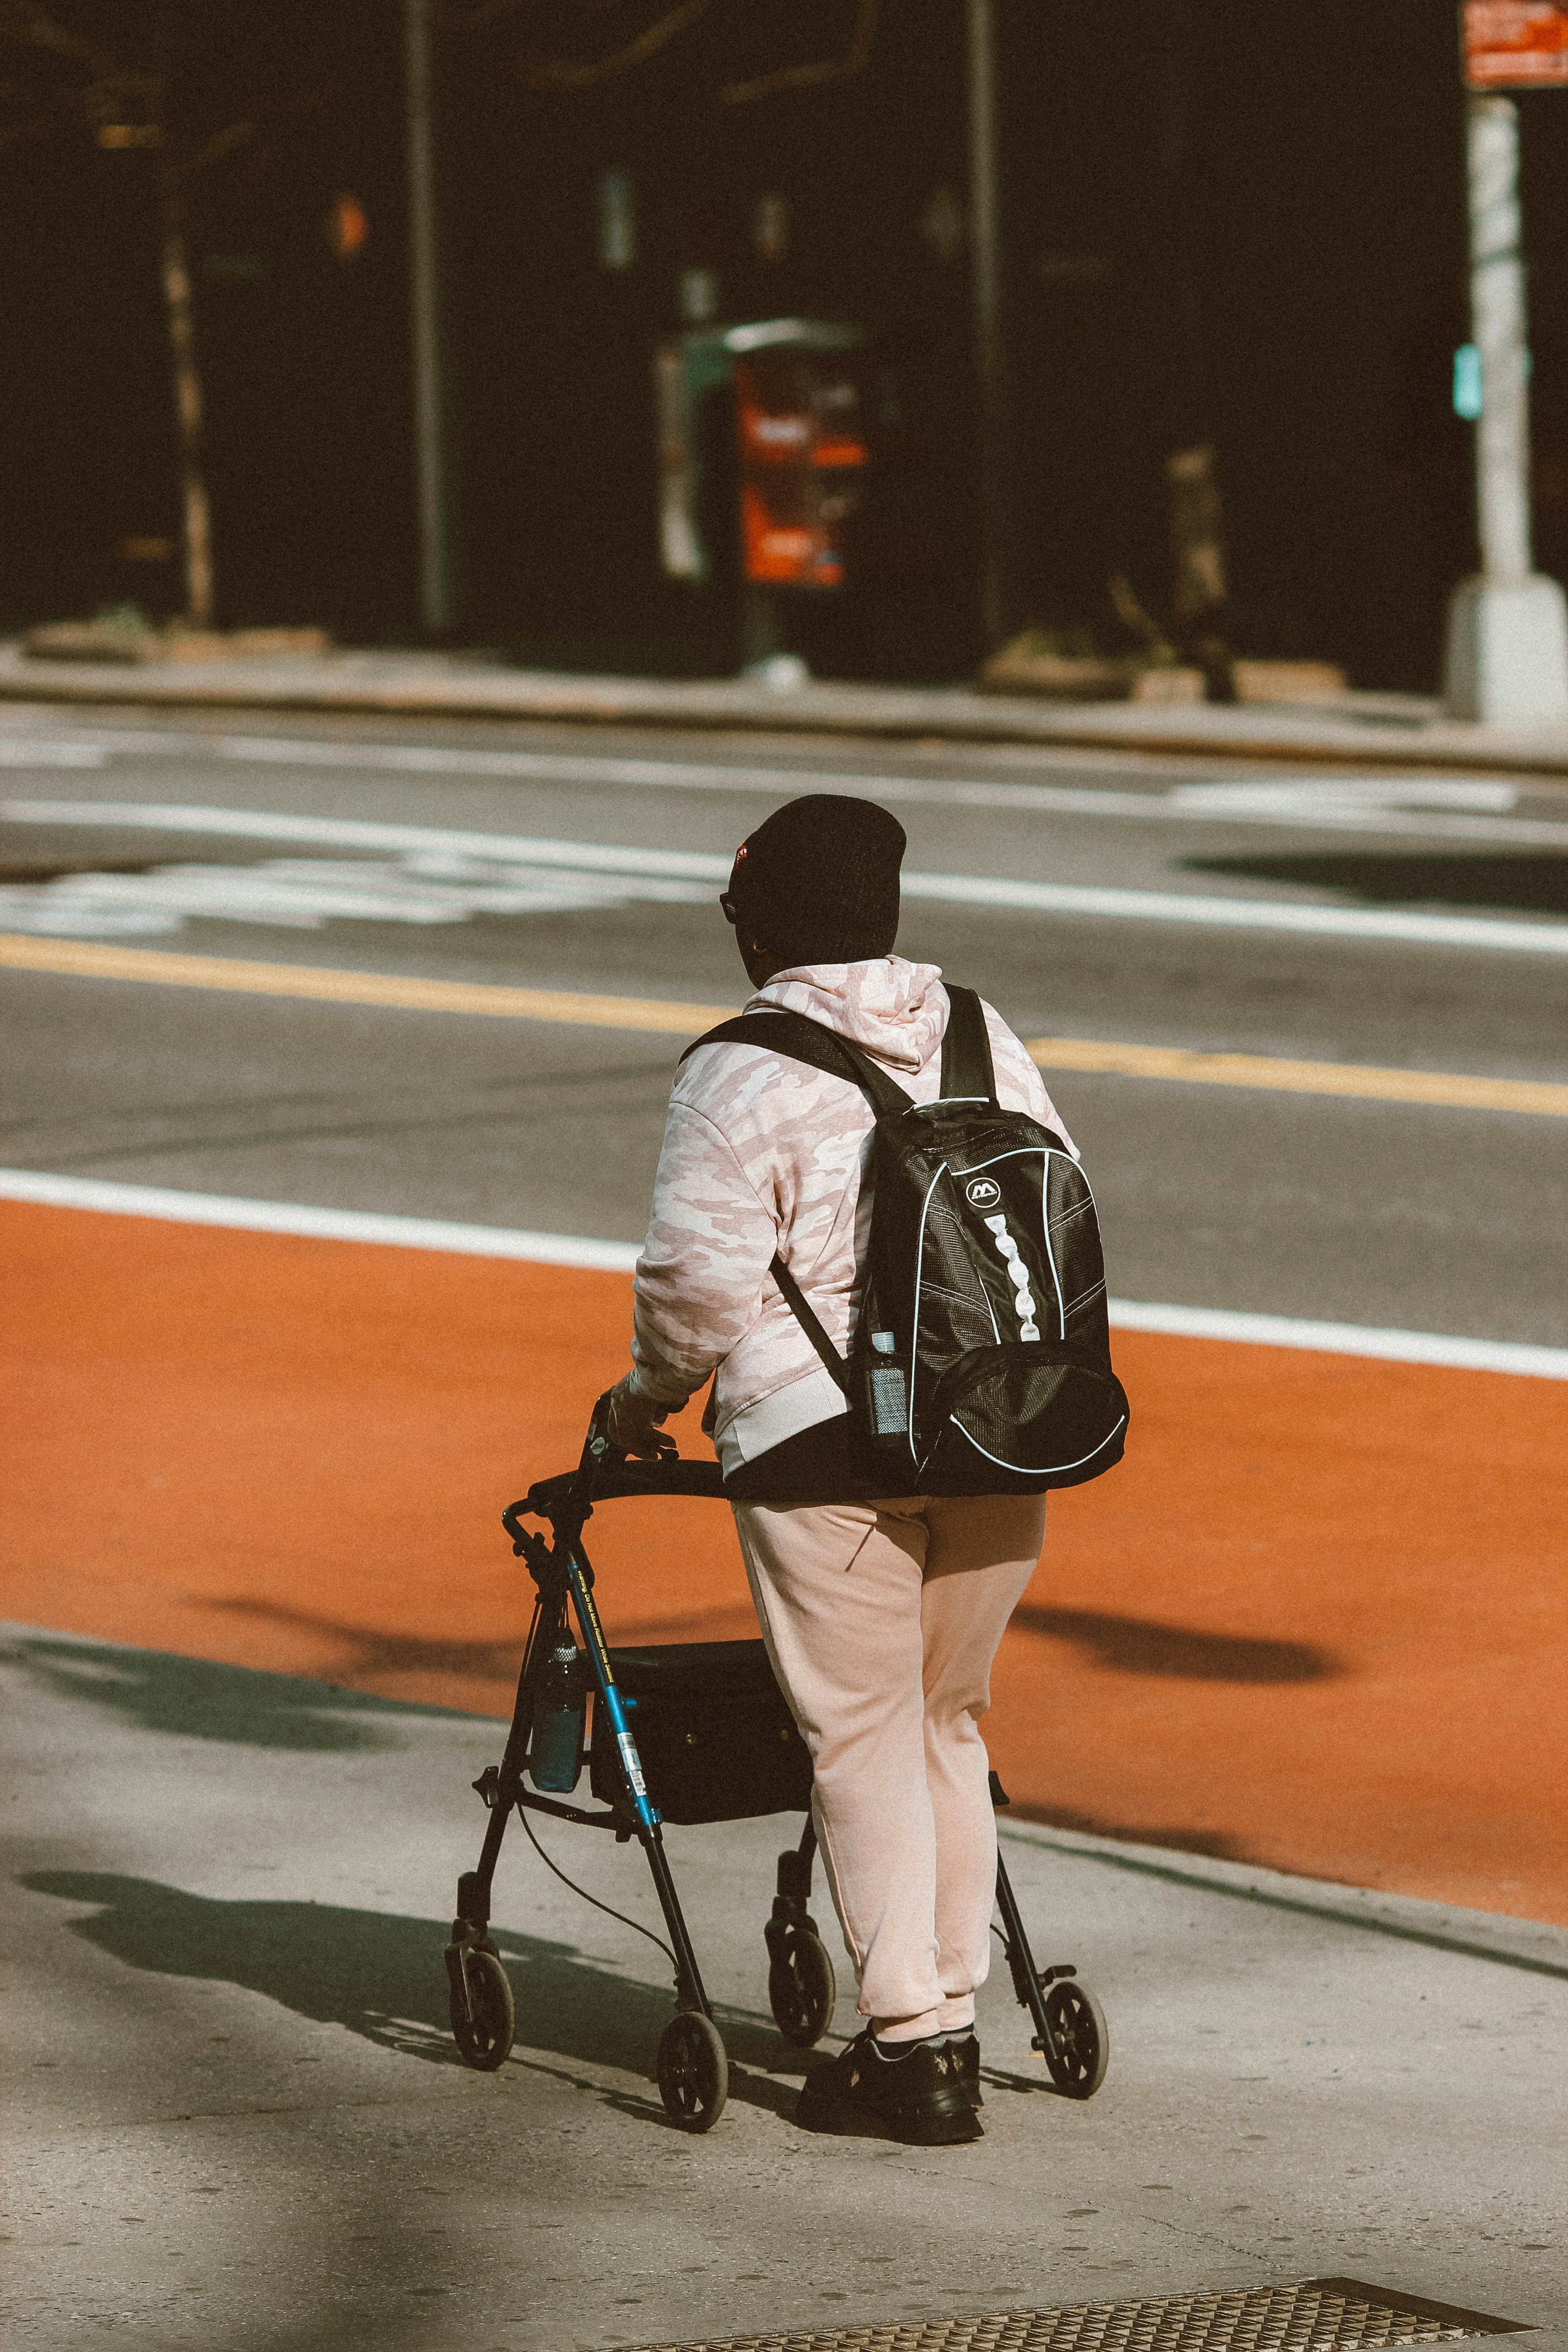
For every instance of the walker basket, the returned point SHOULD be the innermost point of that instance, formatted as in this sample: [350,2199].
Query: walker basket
[716,1739]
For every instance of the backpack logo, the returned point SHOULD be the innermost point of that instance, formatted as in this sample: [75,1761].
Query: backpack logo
[983,1193]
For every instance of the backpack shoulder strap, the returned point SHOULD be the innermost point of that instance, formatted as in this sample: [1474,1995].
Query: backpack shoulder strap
[821,1049]
[966,1065]
[796,1301]
[809,1041]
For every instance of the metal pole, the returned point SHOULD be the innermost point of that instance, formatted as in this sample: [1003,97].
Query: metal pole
[1507,660]
[1497,313]
[432,488]
[196,509]
[986,295]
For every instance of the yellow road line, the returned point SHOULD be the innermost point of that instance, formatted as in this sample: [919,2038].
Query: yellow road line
[1449,1090]
[86,960]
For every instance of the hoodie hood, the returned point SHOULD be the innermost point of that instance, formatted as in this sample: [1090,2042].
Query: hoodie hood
[893,1010]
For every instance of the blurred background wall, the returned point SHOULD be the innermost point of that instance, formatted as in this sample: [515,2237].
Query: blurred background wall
[1234,222]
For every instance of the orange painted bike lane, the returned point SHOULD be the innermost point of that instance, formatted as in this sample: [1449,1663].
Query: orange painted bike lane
[1316,1620]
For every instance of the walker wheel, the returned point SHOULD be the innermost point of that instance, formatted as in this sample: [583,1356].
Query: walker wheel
[1082,2044]
[693,2071]
[485,2040]
[801,1988]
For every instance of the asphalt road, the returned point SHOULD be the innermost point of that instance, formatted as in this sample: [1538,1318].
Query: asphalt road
[1424,1217]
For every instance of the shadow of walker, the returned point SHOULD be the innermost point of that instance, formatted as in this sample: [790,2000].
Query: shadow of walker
[381,1976]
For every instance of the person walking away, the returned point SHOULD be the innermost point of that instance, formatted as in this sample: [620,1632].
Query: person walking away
[881,1611]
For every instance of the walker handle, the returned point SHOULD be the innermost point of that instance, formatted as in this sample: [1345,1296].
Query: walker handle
[567,1500]
[597,1452]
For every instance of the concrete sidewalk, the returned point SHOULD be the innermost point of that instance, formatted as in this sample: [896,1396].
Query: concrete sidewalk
[238,2123]
[1358,730]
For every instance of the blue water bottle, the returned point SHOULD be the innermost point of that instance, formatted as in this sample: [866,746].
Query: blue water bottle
[555,1750]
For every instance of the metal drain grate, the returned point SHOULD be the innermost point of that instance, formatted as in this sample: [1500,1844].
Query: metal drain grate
[1314,2315]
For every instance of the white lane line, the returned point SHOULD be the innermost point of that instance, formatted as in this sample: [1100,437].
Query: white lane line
[352,832]
[1495,933]
[1343,1339]
[313,1224]
[1460,808]
[620,1257]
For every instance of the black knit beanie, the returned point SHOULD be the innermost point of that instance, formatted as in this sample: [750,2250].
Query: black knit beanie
[818,881]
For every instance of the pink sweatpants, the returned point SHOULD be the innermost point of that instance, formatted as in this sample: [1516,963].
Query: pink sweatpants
[881,1620]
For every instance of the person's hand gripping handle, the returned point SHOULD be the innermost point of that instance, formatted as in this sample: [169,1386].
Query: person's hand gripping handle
[634,1423]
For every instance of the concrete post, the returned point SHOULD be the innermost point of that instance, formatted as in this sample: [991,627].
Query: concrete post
[432,484]
[985,297]
[1507,659]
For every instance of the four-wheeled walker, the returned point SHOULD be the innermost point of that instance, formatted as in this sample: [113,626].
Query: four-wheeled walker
[713,1741]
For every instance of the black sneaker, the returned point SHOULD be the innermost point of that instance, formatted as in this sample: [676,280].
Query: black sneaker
[965,2048]
[922,2098]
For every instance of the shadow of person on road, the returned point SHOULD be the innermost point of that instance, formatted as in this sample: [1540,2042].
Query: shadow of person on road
[199,1700]
[1140,1645]
[381,1975]
[369,1653]
[249,1708]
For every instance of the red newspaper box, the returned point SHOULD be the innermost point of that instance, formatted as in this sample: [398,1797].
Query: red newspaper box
[788,449]
[804,453]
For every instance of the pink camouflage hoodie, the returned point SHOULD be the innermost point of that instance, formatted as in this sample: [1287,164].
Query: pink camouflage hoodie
[762,1153]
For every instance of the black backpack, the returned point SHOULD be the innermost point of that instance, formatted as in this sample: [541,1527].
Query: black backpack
[981,1361]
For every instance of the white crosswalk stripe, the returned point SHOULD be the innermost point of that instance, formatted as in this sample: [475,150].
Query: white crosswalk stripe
[305,893]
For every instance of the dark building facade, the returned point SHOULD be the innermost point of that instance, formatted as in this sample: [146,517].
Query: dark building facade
[302,349]
[1214,221]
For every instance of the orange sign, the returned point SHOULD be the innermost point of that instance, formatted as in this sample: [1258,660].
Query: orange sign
[1516,44]
[800,443]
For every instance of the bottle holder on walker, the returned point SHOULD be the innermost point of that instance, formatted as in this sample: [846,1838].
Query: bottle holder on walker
[684,1732]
